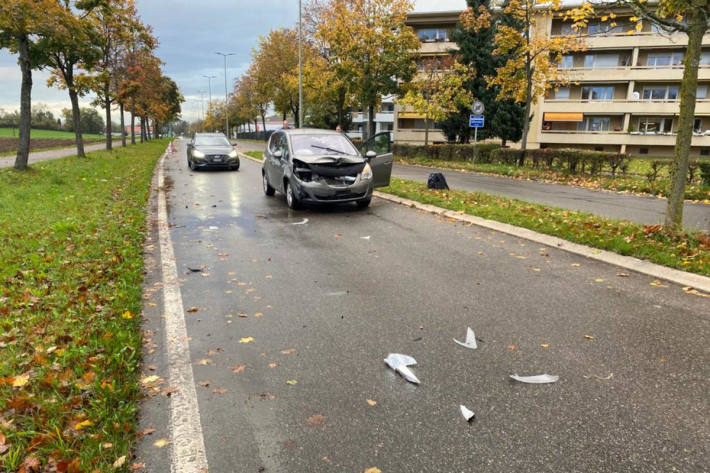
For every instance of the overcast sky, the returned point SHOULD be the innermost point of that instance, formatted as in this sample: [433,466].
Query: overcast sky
[190,33]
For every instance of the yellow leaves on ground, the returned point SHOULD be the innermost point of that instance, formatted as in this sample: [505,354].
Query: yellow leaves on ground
[589,337]
[288,351]
[21,380]
[372,470]
[246,339]
[219,390]
[149,380]
[658,283]
[292,382]
[599,280]
[204,362]
[127,315]
[239,368]
[695,292]
[545,345]
[120,462]
[258,314]
[160,443]
[193,309]
[372,402]
[83,424]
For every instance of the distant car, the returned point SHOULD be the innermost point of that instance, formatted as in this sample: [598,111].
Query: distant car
[323,166]
[211,150]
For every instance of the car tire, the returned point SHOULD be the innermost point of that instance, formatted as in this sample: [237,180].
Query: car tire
[191,164]
[268,190]
[291,199]
[364,203]
[234,168]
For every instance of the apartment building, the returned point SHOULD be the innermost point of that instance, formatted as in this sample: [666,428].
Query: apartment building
[384,119]
[624,94]
[434,31]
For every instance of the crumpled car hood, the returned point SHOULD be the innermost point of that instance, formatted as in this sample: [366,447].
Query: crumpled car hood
[326,160]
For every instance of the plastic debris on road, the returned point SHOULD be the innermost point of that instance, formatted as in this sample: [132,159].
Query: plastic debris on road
[537,379]
[466,413]
[302,222]
[400,364]
[470,340]
[365,237]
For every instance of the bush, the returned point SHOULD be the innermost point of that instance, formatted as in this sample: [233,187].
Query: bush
[447,152]
[704,173]
[573,160]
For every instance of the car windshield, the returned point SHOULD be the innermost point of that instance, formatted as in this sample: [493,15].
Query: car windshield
[211,141]
[317,145]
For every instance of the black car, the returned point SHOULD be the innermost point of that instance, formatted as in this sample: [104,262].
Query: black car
[323,166]
[211,150]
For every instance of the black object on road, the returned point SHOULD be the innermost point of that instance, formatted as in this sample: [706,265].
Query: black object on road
[437,181]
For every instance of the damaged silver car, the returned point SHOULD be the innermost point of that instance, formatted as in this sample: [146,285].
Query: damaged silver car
[322,166]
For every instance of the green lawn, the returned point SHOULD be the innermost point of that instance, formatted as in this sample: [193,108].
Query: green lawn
[71,238]
[12,132]
[255,154]
[685,250]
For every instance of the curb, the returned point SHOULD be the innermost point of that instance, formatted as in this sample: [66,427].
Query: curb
[246,156]
[627,262]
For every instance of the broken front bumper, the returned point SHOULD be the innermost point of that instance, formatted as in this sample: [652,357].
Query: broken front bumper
[321,192]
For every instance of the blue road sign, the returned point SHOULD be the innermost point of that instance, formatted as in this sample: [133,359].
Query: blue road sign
[476,121]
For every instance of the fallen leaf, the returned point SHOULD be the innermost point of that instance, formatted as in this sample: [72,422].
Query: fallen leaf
[204,362]
[622,275]
[148,431]
[512,347]
[137,466]
[291,382]
[317,420]
[289,351]
[219,390]
[119,462]
[193,309]
[695,292]
[213,352]
[268,276]
[161,443]
[338,235]
[575,265]
[21,380]
[150,380]
[242,315]
[127,315]
[371,402]
[599,280]
[589,337]
[545,345]
[83,424]
[258,314]
[239,368]
[228,292]
[204,384]
[372,470]
[658,284]
[30,465]
[246,340]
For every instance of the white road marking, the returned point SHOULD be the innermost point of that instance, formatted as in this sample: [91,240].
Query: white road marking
[186,439]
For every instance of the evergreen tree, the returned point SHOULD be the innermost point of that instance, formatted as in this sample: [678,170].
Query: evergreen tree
[504,119]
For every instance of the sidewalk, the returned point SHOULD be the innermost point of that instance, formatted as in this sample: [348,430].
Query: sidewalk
[38,156]
[639,209]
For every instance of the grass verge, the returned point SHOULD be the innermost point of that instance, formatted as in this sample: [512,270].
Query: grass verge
[71,238]
[621,183]
[255,154]
[684,250]
[35,133]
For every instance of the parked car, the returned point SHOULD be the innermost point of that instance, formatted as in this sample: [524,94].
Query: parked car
[324,166]
[211,150]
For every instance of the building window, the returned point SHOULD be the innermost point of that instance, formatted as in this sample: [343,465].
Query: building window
[604,27]
[705,152]
[594,124]
[562,93]
[705,58]
[662,92]
[698,125]
[664,59]
[433,35]
[702,92]
[656,125]
[567,62]
[643,150]
[592,61]
[598,93]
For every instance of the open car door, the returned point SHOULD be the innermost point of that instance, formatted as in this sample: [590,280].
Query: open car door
[381,163]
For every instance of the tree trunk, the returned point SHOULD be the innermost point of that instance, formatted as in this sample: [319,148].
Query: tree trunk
[263,124]
[370,121]
[142,130]
[426,130]
[76,116]
[123,126]
[109,125]
[133,121]
[528,102]
[23,149]
[686,116]
[341,107]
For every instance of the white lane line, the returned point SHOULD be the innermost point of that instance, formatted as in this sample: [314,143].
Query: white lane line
[187,442]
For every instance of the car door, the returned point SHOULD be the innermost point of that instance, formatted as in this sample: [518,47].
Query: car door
[381,163]
[272,162]
[280,169]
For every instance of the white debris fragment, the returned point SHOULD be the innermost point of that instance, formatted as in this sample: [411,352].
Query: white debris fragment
[302,222]
[212,227]
[466,413]
[470,340]
[365,237]
[400,363]
[538,379]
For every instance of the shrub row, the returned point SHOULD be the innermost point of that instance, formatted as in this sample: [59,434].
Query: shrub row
[572,160]
[448,152]
[693,167]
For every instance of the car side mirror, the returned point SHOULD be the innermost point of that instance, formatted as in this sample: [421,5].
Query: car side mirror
[233,143]
[278,154]
[370,154]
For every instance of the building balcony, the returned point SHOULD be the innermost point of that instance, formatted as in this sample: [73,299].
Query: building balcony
[629,73]
[416,136]
[619,107]
[380,117]
[437,48]
[616,138]
[637,40]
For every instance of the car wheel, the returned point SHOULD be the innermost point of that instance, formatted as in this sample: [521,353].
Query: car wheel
[364,203]
[268,190]
[291,199]
[234,168]
[191,164]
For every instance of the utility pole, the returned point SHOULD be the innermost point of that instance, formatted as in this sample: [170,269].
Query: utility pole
[300,66]
[226,94]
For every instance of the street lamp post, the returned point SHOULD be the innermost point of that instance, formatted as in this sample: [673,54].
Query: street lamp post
[226,94]
[300,66]
[209,82]
[202,108]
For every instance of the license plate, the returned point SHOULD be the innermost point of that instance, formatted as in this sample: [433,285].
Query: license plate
[217,159]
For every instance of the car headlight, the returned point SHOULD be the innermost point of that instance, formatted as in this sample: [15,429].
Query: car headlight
[366,172]
[197,154]
[233,154]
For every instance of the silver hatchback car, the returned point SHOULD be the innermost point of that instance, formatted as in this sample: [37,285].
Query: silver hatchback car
[324,166]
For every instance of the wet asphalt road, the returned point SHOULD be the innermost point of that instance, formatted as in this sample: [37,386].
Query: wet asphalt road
[641,209]
[325,306]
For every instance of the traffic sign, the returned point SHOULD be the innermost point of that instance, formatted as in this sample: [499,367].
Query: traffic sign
[477,108]
[476,121]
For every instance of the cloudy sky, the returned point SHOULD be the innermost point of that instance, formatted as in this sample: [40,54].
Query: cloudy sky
[190,33]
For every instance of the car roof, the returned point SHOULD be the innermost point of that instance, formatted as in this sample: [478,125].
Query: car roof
[310,131]
[209,134]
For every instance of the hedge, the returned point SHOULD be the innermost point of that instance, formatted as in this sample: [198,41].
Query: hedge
[693,168]
[573,160]
[448,152]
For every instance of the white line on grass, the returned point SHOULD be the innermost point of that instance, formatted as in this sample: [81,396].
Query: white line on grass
[187,442]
